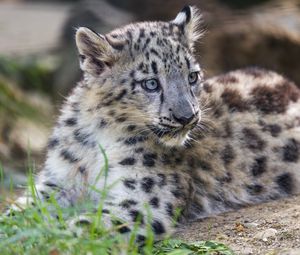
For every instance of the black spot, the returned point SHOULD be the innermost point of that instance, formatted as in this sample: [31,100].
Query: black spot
[165,159]
[291,150]
[170,209]
[147,184]
[139,150]
[67,155]
[75,107]
[82,222]
[162,180]
[45,195]
[147,53]
[136,216]
[142,33]
[270,100]
[134,139]
[71,122]
[234,100]
[112,113]
[177,192]
[83,138]
[176,178]
[158,227]
[105,211]
[102,123]
[132,74]
[98,64]
[227,178]
[127,162]
[145,46]
[81,169]
[141,66]
[227,154]
[140,238]
[81,58]
[274,129]
[123,81]
[154,67]
[227,131]
[187,62]
[154,202]
[252,140]
[204,165]
[178,160]
[285,183]
[121,228]
[129,183]
[51,185]
[161,98]
[130,128]
[149,159]
[121,119]
[255,189]
[259,166]
[121,95]
[53,142]
[154,52]
[127,203]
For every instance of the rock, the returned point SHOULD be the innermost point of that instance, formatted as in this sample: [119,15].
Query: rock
[251,225]
[289,252]
[265,234]
[24,126]
[28,136]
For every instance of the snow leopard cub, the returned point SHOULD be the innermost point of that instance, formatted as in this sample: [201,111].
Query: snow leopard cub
[173,140]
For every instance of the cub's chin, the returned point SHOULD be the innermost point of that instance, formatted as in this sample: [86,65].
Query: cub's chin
[176,140]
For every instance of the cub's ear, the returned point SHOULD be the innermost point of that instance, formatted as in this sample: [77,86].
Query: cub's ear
[189,20]
[95,51]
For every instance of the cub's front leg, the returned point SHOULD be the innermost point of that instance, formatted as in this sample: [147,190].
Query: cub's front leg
[152,200]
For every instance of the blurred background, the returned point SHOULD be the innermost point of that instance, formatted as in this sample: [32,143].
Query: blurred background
[39,66]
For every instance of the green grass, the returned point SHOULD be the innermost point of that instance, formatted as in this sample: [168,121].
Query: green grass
[35,231]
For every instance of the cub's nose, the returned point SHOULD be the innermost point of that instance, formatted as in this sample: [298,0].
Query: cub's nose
[184,120]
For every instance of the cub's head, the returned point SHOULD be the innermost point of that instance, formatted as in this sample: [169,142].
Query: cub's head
[147,75]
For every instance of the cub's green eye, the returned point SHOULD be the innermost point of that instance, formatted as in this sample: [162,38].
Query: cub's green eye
[193,78]
[150,85]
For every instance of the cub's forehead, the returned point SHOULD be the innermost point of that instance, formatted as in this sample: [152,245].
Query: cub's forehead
[148,31]
[163,41]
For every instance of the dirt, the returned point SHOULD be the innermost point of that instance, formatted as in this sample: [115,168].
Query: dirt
[270,229]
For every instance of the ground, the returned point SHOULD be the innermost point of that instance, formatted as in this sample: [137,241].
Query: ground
[246,231]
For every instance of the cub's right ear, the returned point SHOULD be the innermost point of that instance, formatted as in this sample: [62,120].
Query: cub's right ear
[95,52]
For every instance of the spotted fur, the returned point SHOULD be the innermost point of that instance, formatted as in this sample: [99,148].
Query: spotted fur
[185,145]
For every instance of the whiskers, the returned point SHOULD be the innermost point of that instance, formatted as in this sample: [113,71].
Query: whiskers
[204,127]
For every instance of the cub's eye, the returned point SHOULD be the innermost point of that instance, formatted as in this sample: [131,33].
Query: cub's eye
[150,85]
[193,78]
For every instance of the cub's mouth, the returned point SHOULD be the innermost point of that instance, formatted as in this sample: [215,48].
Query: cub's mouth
[172,136]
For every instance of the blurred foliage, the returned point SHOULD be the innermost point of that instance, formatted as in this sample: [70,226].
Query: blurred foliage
[28,73]
[12,103]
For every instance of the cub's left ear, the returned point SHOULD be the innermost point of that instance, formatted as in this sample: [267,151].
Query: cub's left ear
[97,52]
[189,20]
